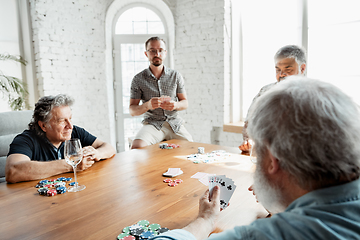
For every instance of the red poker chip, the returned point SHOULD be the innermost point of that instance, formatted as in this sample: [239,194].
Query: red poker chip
[129,238]
[172,184]
[168,180]
[51,192]
[178,181]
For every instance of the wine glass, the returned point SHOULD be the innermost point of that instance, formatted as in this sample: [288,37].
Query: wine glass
[73,156]
[252,151]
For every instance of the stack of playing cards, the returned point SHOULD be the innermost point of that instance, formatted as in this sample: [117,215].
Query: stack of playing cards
[227,188]
[165,99]
[173,172]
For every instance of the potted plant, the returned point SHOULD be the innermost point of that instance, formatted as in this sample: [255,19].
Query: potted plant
[13,88]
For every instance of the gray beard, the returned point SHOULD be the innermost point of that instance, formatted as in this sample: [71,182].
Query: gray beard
[269,196]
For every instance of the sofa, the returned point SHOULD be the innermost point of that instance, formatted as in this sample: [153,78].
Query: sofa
[11,124]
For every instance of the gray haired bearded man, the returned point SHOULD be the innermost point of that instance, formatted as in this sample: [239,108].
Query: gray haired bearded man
[306,134]
[39,152]
[289,60]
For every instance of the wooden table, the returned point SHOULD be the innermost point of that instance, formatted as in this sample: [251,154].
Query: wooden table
[123,190]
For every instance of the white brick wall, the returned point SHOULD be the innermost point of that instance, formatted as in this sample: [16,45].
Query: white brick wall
[202,56]
[69,44]
[69,56]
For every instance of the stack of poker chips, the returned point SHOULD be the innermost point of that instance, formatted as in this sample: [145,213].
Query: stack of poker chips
[168,145]
[142,230]
[172,183]
[52,187]
[201,150]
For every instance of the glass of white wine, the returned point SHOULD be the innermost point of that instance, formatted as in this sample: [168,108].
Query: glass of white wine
[73,156]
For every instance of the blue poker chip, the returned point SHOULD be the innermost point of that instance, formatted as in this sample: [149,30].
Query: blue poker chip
[61,179]
[68,179]
[147,235]
[61,190]
[43,181]
[72,183]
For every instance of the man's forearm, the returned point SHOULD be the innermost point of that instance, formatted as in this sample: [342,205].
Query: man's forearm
[200,228]
[106,150]
[182,105]
[136,110]
[33,170]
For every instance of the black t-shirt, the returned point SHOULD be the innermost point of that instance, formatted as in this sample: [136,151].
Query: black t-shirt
[40,149]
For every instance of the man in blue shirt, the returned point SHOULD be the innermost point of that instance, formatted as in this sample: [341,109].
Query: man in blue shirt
[306,134]
[39,152]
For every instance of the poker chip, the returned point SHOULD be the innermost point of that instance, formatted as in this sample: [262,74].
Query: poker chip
[60,184]
[167,180]
[140,231]
[172,184]
[128,238]
[135,226]
[144,223]
[68,179]
[122,235]
[72,184]
[137,232]
[163,145]
[201,150]
[162,230]
[147,235]
[155,226]
[43,181]
[178,181]
[43,191]
[61,190]
[126,230]
[52,187]
[51,192]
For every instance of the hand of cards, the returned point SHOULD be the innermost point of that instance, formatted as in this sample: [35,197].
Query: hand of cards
[165,99]
[227,188]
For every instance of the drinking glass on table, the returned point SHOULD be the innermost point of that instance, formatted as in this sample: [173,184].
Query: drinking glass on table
[73,156]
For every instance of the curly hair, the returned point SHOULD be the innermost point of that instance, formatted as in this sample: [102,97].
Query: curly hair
[43,108]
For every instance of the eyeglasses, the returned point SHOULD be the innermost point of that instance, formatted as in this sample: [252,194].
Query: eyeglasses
[153,51]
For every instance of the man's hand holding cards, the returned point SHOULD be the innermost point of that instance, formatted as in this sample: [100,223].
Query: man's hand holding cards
[227,188]
[167,103]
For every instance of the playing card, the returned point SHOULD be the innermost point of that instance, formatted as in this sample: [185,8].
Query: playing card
[202,177]
[165,99]
[173,172]
[227,188]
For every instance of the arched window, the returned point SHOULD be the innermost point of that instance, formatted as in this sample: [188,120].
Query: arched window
[135,24]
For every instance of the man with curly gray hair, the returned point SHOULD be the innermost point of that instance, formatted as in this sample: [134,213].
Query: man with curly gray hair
[39,152]
[306,134]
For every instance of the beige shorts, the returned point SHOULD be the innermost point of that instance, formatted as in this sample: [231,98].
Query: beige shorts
[151,135]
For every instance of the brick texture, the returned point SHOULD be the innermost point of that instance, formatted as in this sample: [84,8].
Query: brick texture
[69,44]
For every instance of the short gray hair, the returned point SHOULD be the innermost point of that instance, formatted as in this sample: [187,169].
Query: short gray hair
[291,51]
[43,107]
[312,128]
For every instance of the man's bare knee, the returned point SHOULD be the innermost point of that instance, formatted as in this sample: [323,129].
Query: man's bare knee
[138,143]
